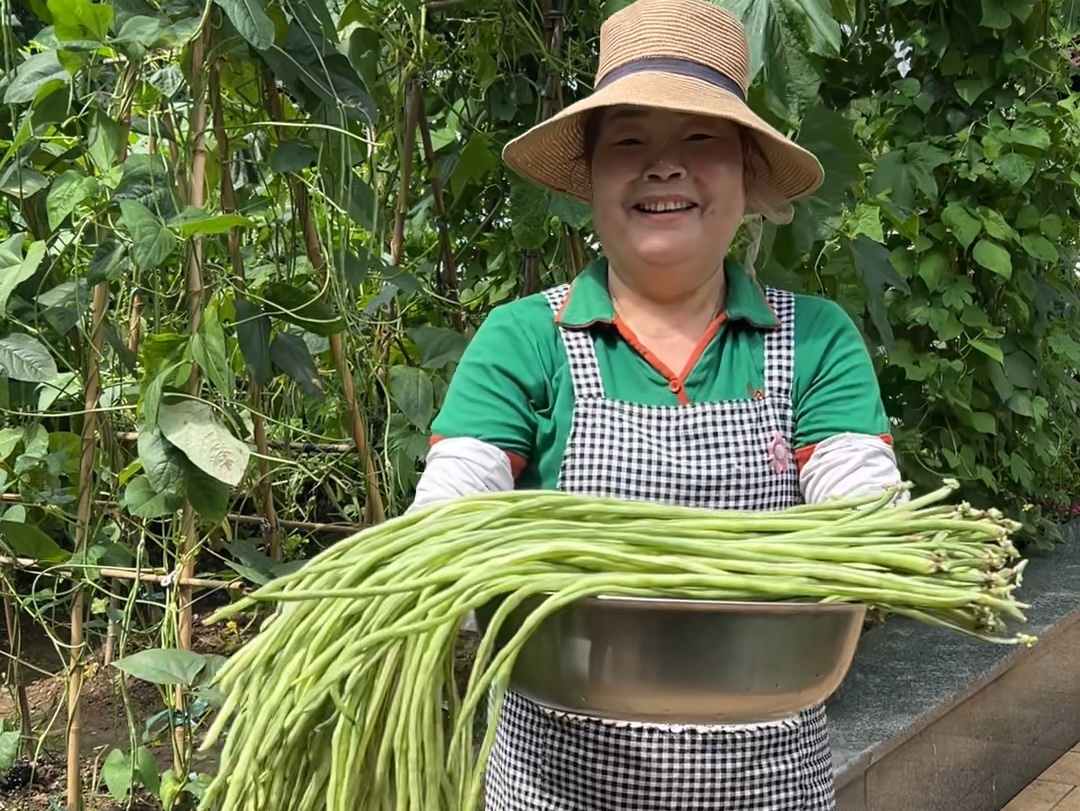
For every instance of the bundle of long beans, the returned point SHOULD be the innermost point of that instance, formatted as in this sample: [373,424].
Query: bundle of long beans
[346,699]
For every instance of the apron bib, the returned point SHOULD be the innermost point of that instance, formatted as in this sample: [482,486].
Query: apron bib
[730,455]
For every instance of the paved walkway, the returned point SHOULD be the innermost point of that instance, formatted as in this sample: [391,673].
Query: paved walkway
[1056,789]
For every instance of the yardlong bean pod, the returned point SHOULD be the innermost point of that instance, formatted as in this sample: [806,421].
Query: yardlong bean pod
[346,699]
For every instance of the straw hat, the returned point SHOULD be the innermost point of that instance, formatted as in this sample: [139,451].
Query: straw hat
[688,56]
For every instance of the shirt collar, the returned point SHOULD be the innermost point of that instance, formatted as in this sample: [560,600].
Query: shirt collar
[589,302]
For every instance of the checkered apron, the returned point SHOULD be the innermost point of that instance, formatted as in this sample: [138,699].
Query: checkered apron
[729,455]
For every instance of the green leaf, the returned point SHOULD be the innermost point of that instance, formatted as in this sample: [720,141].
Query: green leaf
[1020,403]
[1015,169]
[983,423]
[1039,247]
[474,162]
[162,463]
[27,541]
[25,358]
[163,666]
[1033,136]
[963,225]
[15,268]
[33,74]
[250,19]
[438,346]
[149,181]
[208,349]
[970,89]
[934,269]
[106,140]
[151,242]
[1051,225]
[10,744]
[988,349]
[193,221]
[117,772]
[209,497]
[140,34]
[80,20]
[143,501]
[830,136]
[293,156]
[1020,368]
[108,261]
[412,391]
[878,274]
[993,257]
[9,440]
[192,427]
[291,355]
[253,335]
[305,308]
[995,15]
[67,191]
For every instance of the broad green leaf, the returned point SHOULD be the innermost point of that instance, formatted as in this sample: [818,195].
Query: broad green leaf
[209,497]
[1020,368]
[873,264]
[10,744]
[314,63]
[33,74]
[9,440]
[139,34]
[983,423]
[163,666]
[80,20]
[995,15]
[162,463]
[1015,169]
[291,355]
[412,391]
[934,268]
[151,242]
[253,335]
[143,501]
[106,140]
[867,220]
[25,358]
[208,349]
[293,156]
[117,771]
[149,181]
[1033,136]
[27,541]
[474,162]
[831,137]
[192,427]
[1020,403]
[438,345]
[303,307]
[22,182]
[193,221]
[993,257]
[1039,247]
[963,225]
[988,349]
[65,384]
[146,767]
[1051,225]
[16,269]
[970,89]
[250,19]
[68,190]
[108,262]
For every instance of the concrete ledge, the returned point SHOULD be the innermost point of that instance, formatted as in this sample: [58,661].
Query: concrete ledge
[930,720]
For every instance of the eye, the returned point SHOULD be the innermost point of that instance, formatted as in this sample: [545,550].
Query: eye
[700,136]
[627,142]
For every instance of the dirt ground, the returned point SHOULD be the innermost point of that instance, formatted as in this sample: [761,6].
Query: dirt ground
[37,782]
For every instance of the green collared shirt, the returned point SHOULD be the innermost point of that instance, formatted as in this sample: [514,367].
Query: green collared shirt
[512,388]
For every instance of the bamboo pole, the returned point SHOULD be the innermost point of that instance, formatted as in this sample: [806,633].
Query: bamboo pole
[374,511]
[195,301]
[124,574]
[87,478]
[228,206]
[448,265]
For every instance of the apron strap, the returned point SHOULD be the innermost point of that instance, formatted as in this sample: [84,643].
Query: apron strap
[780,356]
[580,351]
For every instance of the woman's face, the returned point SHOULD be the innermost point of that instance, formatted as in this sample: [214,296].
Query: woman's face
[667,189]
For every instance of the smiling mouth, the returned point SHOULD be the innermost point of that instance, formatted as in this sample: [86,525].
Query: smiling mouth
[664,207]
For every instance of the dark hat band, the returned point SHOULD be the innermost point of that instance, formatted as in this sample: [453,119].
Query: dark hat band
[677,67]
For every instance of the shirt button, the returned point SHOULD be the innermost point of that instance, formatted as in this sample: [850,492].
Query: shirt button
[675,386]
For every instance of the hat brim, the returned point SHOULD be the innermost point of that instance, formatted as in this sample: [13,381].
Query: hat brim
[551,154]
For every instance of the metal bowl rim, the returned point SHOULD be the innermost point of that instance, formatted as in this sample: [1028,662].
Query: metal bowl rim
[750,606]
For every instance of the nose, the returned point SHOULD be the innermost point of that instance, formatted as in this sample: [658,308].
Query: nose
[664,169]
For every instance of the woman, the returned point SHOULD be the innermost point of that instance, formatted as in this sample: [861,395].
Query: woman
[664,372]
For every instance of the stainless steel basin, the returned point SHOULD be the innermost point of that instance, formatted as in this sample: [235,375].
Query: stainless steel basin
[683,661]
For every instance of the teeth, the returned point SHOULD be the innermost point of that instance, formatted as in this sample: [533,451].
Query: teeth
[657,208]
